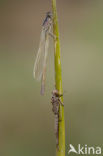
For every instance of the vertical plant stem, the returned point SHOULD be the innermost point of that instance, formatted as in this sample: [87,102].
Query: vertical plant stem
[58,82]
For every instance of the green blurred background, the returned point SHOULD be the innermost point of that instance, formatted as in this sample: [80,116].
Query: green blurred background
[26,119]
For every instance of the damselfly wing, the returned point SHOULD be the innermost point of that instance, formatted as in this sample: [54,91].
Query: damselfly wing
[41,58]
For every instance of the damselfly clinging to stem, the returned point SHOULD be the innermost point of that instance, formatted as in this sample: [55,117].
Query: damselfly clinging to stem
[41,59]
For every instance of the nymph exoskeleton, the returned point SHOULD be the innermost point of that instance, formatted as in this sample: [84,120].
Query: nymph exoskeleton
[56,102]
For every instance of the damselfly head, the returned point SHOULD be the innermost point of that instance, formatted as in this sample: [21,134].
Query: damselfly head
[49,14]
[48,18]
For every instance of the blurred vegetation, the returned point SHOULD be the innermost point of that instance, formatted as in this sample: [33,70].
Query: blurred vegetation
[26,119]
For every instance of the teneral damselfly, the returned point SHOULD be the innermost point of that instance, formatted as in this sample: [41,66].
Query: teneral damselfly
[41,58]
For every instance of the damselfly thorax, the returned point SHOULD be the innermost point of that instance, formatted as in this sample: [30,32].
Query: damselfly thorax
[41,59]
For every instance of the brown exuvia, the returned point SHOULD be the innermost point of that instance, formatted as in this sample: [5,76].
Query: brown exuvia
[55,100]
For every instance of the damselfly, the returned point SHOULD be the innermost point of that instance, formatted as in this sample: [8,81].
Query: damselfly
[41,59]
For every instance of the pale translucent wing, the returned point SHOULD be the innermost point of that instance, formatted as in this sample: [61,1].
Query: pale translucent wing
[45,64]
[46,51]
[39,62]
